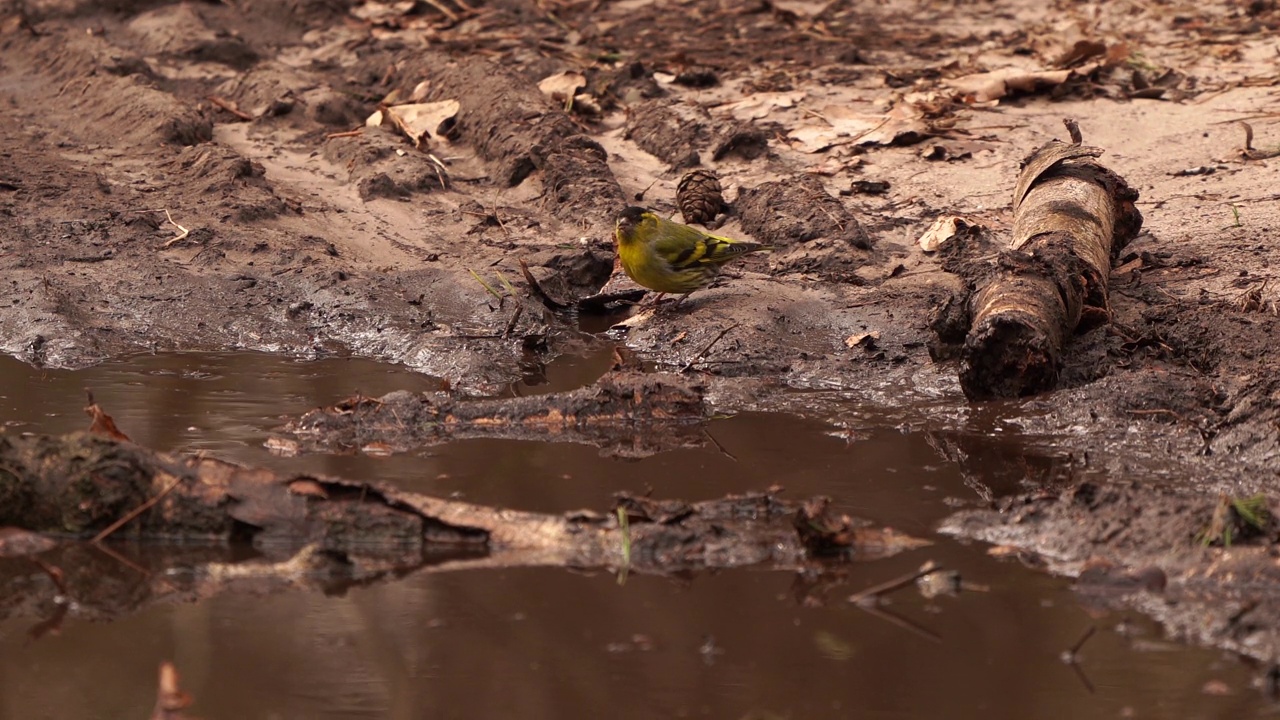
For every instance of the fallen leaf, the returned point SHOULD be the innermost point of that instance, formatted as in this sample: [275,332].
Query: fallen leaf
[420,91]
[380,12]
[866,340]
[422,121]
[283,447]
[902,125]
[16,542]
[801,8]
[760,105]
[102,423]
[988,86]
[562,86]
[941,231]
[170,699]
[377,449]
[1081,51]
[308,487]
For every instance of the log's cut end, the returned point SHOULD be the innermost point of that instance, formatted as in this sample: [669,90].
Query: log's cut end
[1006,357]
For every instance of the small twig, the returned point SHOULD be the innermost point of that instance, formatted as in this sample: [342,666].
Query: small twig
[542,295]
[136,511]
[182,234]
[515,318]
[106,550]
[1073,129]
[438,165]
[1072,654]
[640,195]
[875,591]
[703,352]
[719,447]
[345,134]
[1084,679]
[444,10]
[229,107]
[901,622]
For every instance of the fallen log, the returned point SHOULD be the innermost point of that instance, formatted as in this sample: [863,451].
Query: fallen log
[76,485]
[1071,217]
[625,413]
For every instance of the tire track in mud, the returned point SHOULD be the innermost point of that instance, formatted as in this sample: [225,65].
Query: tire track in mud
[293,268]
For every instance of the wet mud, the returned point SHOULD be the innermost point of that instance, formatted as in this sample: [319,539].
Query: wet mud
[201,177]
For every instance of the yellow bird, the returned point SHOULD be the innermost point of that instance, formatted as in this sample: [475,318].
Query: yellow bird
[672,258]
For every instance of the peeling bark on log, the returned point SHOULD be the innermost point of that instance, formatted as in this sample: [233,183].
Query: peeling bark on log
[627,414]
[1071,217]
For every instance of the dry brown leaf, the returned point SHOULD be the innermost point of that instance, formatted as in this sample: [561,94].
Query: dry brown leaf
[170,699]
[989,86]
[563,86]
[284,447]
[421,121]
[866,340]
[844,125]
[942,231]
[801,8]
[378,449]
[760,105]
[16,542]
[102,423]
[308,487]
[380,12]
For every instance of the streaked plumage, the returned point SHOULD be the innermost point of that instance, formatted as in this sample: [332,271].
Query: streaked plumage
[672,258]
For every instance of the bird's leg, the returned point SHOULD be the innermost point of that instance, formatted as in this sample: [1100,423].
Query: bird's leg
[652,300]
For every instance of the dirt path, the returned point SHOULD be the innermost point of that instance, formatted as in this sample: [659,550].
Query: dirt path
[142,214]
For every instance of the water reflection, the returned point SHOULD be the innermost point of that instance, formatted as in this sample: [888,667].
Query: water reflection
[534,643]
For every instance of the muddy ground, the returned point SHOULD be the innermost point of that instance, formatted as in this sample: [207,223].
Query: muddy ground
[192,175]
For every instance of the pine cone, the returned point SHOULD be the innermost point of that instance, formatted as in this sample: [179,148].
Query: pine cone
[699,196]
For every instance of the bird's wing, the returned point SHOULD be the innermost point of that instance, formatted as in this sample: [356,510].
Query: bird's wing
[684,247]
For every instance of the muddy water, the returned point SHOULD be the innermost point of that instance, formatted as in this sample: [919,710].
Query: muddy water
[547,643]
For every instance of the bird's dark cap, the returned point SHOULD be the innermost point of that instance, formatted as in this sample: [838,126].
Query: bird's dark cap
[631,214]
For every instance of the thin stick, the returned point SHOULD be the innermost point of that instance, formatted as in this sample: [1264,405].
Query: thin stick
[123,560]
[347,133]
[901,622]
[515,318]
[1084,679]
[537,289]
[703,352]
[229,107]
[136,511]
[1072,654]
[875,591]
[181,235]
[719,447]
[444,10]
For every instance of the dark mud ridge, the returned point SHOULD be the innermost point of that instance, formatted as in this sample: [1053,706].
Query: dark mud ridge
[203,176]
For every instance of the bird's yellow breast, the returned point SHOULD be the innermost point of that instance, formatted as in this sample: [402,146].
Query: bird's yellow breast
[648,269]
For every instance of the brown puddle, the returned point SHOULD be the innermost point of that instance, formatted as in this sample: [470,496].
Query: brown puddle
[551,643]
